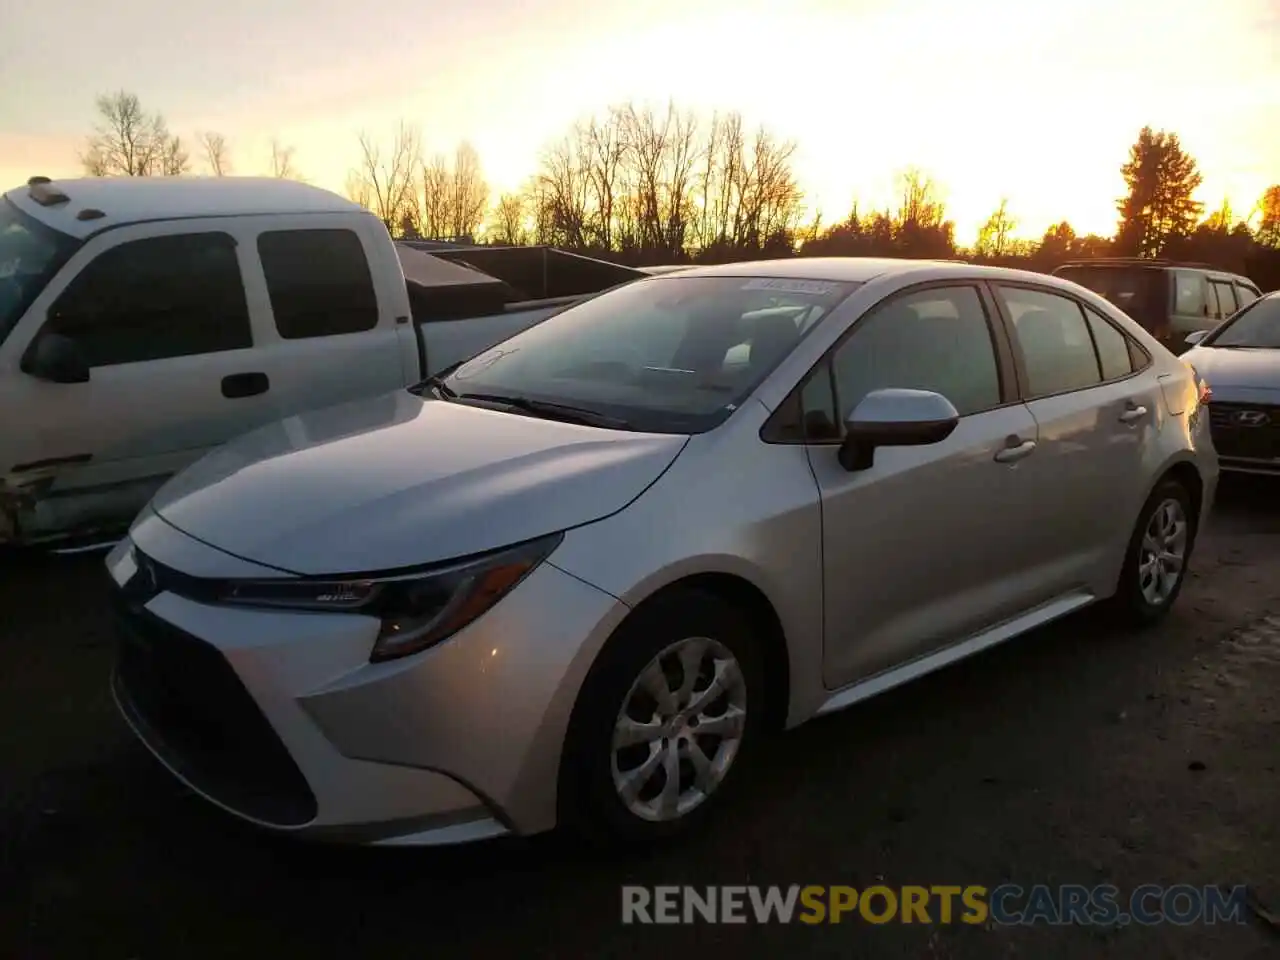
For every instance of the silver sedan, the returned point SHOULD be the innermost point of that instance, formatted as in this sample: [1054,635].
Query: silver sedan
[1240,360]
[578,577]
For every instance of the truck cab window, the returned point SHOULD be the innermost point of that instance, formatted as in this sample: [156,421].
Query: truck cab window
[319,282]
[155,298]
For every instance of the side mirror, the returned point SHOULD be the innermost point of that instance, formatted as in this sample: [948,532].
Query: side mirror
[895,418]
[1196,336]
[57,359]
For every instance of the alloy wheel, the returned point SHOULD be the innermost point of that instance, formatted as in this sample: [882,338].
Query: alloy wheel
[1163,552]
[679,729]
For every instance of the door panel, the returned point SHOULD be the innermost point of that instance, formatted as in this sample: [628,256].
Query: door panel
[926,547]
[1092,435]
[923,548]
[160,313]
[331,333]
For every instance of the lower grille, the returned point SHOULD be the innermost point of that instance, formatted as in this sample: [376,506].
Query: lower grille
[1245,431]
[190,707]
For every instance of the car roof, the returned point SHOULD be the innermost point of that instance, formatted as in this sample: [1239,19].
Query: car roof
[864,269]
[125,200]
[1163,266]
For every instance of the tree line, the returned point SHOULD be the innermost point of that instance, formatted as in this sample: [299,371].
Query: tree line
[645,185]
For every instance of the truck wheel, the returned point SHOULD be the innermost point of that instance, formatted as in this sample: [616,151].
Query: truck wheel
[667,717]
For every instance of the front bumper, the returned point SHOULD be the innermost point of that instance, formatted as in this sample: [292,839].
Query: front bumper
[279,718]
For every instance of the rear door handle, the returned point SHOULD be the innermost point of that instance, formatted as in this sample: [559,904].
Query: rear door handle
[1016,450]
[1133,414]
[245,385]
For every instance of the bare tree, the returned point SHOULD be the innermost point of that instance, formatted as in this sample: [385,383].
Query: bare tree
[128,141]
[563,193]
[455,195]
[920,225]
[358,189]
[216,153]
[172,159]
[507,222]
[654,183]
[995,236]
[437,197]
[661,155]
[389,175]
[470,192]
[282,167]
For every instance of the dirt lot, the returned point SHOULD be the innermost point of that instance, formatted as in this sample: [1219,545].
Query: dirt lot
[1076,755]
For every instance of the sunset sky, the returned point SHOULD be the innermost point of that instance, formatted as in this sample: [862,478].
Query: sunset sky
[1036,100]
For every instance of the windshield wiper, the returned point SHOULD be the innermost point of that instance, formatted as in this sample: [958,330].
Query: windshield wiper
[436,384]
[550,410]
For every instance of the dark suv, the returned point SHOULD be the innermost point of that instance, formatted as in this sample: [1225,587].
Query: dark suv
[1171,300]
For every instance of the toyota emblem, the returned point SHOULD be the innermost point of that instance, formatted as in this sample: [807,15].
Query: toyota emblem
[1252,418]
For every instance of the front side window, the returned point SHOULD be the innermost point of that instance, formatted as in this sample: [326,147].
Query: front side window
[1257,326]
[30,254]
[156,298]
[1050,331]
[319,282]
[937,339]
[669,354]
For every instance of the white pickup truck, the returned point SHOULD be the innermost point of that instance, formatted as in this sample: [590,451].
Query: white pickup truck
[144,321]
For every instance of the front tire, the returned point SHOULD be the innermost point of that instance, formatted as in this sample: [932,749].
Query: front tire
[667,717]
[1155,565]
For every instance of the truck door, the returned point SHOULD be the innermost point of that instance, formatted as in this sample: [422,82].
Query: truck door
[135,360]
[334,296]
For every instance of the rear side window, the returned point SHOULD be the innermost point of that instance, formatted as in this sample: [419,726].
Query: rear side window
[1057,349]
[1113,347]
[1133,290]
[1226,299]
[319,282]
[1189,294]
[156,298]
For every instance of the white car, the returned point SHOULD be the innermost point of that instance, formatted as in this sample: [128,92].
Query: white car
[578,577]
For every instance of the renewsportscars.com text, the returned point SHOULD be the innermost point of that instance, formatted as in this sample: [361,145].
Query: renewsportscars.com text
[1005,905]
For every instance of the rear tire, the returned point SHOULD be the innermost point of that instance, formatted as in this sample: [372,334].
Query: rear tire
[641,764]
[1155,564]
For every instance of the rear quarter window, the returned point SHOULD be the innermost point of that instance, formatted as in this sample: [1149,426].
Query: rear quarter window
[319,282]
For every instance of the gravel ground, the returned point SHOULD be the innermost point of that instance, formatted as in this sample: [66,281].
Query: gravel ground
[1075,755]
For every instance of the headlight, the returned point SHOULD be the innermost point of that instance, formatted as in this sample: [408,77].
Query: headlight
[1204,392]
[417,609]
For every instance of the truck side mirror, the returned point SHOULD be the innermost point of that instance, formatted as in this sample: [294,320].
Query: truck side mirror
[57,359]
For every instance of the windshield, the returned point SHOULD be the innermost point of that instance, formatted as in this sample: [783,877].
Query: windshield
[1133,290]
[30,254]
[668,355]
[1257,325]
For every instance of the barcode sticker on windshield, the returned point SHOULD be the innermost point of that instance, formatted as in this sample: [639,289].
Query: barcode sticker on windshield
[781,285]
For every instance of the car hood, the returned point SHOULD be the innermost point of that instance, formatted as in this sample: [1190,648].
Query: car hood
[1224,368]
[398,481]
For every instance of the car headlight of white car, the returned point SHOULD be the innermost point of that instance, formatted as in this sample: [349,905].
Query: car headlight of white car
[417,608]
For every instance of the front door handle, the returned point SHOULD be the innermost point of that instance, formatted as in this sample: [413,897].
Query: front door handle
[244,385]
[1133,414]
[1016,450]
